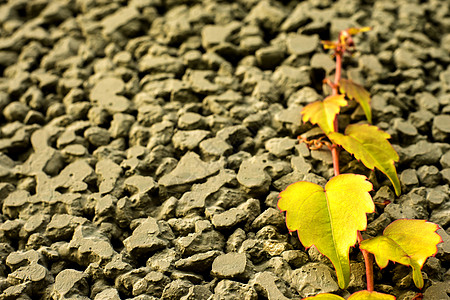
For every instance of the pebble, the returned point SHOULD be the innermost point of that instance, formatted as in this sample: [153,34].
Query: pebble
[105,93]
[313,278]
[188,140]
[70,282]
[228,289]
[280,147]
[441,128]
[299,44]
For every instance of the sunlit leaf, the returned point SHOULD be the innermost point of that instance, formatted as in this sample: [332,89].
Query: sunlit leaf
[353,30]
[325,296]
[366,295]
[359,94]
[409,242]
[370,145]
[330,218]
[324,112]
[328,45]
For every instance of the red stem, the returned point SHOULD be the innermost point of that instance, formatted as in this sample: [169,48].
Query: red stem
[368,261]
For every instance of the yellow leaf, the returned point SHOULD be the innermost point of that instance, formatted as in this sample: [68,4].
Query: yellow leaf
[370,145]
[359,94]
[324,112]
[409,242]
[330,218]
[353,30]
[366,295]
[325,296]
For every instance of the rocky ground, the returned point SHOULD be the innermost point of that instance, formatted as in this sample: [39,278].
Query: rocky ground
[144,143]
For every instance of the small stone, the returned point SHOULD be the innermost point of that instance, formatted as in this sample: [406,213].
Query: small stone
[232,266]
[441,215]
[280,147]
[215,148]
[266,283]
[176,289]
[436,197]
[15,111]
[405,59]
[191,121]
[268,16]
[146,238]
[408,179]
[105,93]
[108,173]
[313,278]
[228,219]
[70,282]
[445,160]
[188,140]
[150,114]
[270,216]
[438,290]
[121,125]
[423,153]
[228,289]
[441,128]
[197,292]
[62,226]
[289,79]
[297,18]
[322,61]
[198,262]
[269,57]
[97,136]
[161,64]
[199,242]
[429,176]
[299,44]
[109,293]
[407,132]
[213,35]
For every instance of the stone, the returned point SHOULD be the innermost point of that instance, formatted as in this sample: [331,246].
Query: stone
[270,216]
[200,262]
[161,64]
[189,169]
[146,238]
[269,57]
[441,215]
[188,140]
[429,176]
[405,59]
[232,266]
[295,258]
[213,35]
[140,188]
[441,128]
[108,173]
[200,242]
[280,147]
[300,44]
[70,282]
[201,81]
[439,290]
[97,136]
[121,125]
[228,219]
[214,148]
[150,114]
[289,79]
[228,290]
[422,153]
[407,132]
[267,15]
[109,293]
[190,121]
[409,179]
[265,283]
[15,111]
[197,292]
[106,93]
[313,278]
[62,226]
[297,18]
[427,101]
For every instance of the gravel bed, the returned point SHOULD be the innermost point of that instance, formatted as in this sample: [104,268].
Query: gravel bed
[143,143]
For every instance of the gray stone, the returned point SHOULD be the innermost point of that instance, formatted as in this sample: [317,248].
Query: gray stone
[150,114]
[70,282]
[270,216]
[299,44]
[407,132]
[197,292]
[267,15]
[191,121]
[163,261]
[109,293]
[213,35]
[198,262]
[429,176]
[187,140]
[19,259]
[439,290]
[228,290]
[313,278]
[97,136]
[199,242]
[62,226]
[146,238]
[441,215]
[445,160]
[295,258]
[152,284]
[297,18]
[141,189]
[427,101]
[437,196]
[280,147]
[121,125]
[265,283]
[190,169]
[108,173]
[15,111]
[441,128]
[409,179]
[106,93]
[161,64]
[423,153]
[228,219]
[214,148]
[250,44]
[176,289]
[269,57]
[201,81]
[370,64]
[409,206]
[232,266]
[405,59]
[446,175]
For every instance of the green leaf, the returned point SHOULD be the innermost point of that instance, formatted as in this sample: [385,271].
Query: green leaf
[358,93]
[366,295]
[324,112]
[325,296]
[370,145]
[409,242]
[330,218]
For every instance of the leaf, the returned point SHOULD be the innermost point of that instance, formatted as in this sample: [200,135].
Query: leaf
[324,112]
[370,145]
[366,295]
[359,94]
[325,296]
[353,30]
[330,218]
[328,45]
[409,242]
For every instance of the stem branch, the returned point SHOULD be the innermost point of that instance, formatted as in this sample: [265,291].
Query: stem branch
[368,261]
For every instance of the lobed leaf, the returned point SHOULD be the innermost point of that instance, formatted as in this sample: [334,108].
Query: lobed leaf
[325,296]
[370,145]
[359,94]
[329,218]
[409,242]
[324,112]
[366,295]
[353,30]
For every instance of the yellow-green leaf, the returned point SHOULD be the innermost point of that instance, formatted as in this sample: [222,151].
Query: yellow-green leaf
[366,295]
[409,242]
[325,296]
[370,145]
[329,44]
[329,219]
[359,94]
[324,112]
[353,30]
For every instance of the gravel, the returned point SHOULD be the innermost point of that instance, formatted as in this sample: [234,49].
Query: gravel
[144,143]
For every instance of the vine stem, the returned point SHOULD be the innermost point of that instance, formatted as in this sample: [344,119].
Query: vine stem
[368,261]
